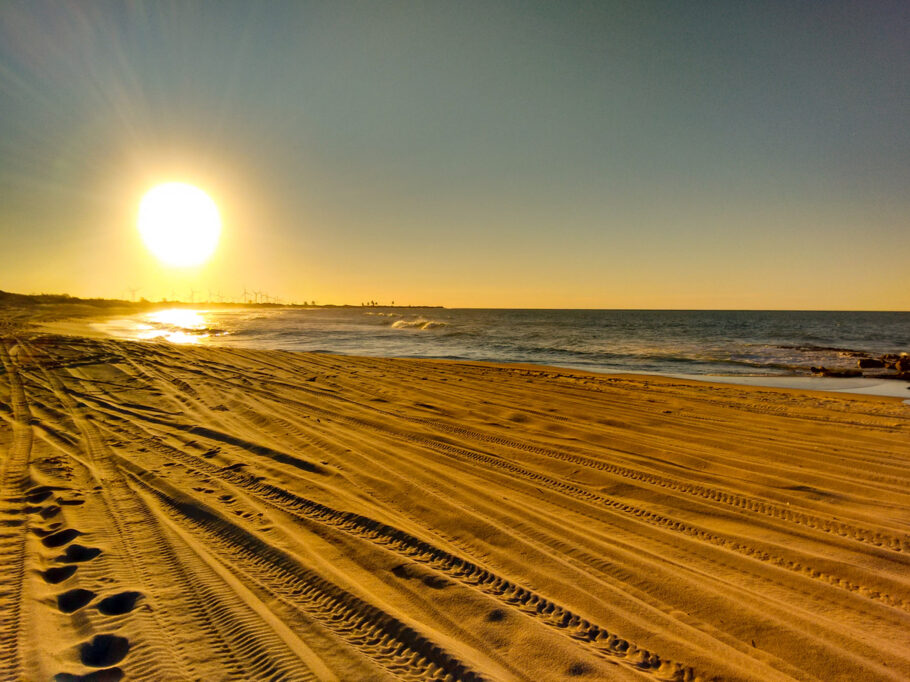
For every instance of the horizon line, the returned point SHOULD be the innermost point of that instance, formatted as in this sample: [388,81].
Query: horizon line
[71,298]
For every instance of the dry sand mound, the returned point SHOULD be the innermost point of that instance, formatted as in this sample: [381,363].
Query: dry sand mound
[197,513]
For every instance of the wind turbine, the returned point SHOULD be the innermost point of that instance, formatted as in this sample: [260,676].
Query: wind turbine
[133,291]
[192,295]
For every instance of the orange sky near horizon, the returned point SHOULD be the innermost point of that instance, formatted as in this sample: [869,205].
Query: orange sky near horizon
[643,268]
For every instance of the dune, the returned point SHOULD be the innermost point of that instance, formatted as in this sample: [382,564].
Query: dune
[179,512]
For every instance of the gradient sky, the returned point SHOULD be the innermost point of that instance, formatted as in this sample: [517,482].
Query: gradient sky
[595,155]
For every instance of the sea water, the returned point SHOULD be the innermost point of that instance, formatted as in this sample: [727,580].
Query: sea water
[697,343]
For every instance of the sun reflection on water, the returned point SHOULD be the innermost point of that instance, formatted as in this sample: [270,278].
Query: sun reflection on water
[178,325]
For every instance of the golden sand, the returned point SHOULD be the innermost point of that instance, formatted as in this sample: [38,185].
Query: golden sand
[209,513]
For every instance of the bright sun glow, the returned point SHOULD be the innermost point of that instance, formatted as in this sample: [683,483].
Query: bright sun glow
[179,224]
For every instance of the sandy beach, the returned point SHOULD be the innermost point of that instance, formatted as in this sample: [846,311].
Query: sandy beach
[174,512]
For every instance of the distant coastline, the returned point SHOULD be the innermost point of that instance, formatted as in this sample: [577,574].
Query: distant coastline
[10,298]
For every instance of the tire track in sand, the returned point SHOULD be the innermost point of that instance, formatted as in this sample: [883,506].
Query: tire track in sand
[241,641]
[14,519]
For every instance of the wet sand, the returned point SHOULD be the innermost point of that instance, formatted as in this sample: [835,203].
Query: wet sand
[176,512]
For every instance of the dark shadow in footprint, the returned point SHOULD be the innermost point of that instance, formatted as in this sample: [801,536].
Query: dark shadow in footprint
[49,512]
[58,574]
[73,600]
[77,553]
[106,675]
[41,496]
[61,538]
[435,582]
[60,500]
[117,604]
[104,650]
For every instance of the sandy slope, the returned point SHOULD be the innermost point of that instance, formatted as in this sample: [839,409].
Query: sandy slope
[195,513]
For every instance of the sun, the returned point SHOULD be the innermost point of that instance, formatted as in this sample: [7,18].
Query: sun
[179,223]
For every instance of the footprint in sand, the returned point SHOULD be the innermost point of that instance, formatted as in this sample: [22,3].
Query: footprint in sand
[38,496]
[49,512]
[496,615]
[78,554]
[61,538]
[104,651]
[58,574]
[118,604]
[73,600]
[578,669]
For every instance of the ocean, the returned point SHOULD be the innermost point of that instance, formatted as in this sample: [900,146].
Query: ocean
[727,344]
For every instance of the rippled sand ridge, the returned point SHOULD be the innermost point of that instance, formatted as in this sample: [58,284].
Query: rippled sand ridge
[174,513]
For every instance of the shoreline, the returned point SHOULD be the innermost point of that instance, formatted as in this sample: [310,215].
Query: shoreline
[894,388]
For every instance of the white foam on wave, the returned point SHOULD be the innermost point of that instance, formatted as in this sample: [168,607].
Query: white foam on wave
[419,323]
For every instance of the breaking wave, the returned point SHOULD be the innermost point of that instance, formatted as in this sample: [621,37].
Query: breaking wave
[419,323]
